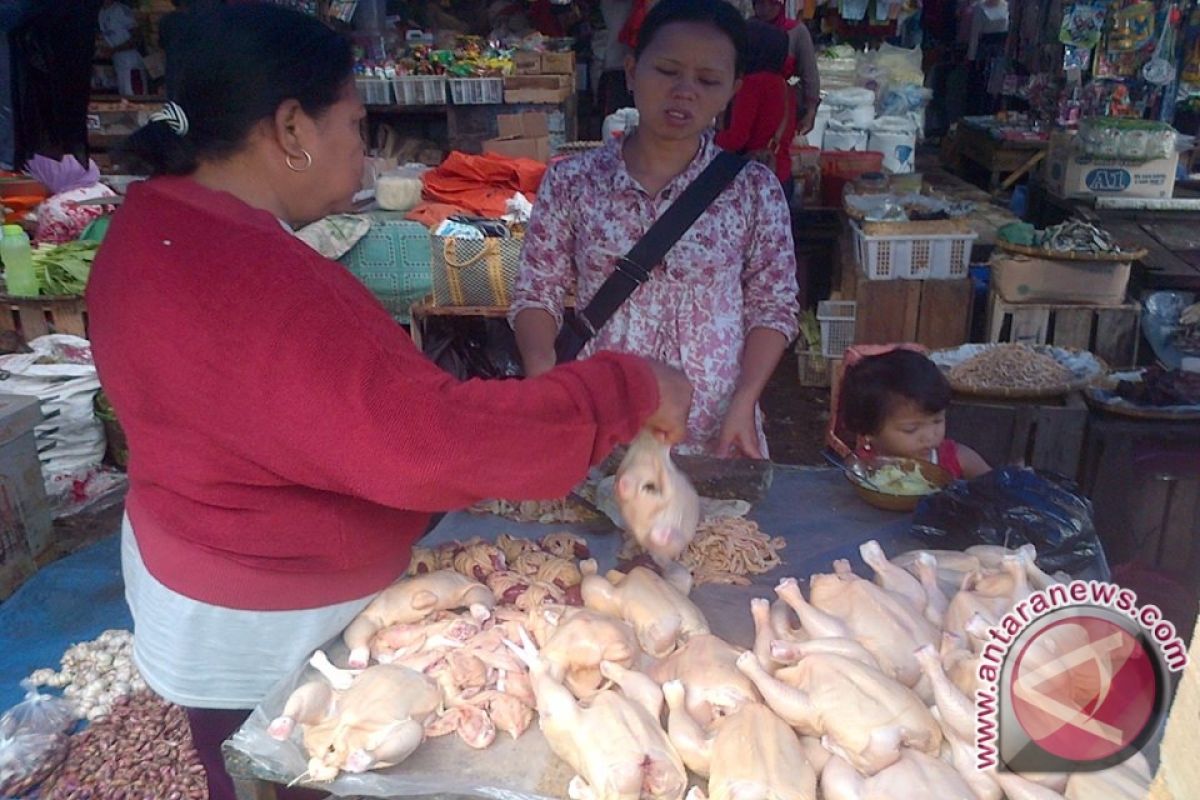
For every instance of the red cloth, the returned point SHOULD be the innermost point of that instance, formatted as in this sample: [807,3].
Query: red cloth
[633,24]
[758,109]
[783,23]
[482,184]
[287,440]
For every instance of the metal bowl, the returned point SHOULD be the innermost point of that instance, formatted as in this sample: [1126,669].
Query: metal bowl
[937,476]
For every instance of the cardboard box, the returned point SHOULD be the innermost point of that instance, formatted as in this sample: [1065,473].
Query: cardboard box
[558,63]
[527,62]
[1020,279]
[524,135]
[538,88]
[1069,173]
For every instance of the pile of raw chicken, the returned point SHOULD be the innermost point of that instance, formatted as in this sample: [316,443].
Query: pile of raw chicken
[862,691]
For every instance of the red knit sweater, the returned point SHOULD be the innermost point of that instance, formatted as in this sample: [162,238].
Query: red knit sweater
[758,109]
[286,438]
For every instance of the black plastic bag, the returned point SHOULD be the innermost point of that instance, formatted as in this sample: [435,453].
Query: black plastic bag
[1013,506]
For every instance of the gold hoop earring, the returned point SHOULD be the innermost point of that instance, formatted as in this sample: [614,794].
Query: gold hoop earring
[307,162]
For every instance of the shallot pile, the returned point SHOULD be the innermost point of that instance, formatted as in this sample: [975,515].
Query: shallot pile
[141,749]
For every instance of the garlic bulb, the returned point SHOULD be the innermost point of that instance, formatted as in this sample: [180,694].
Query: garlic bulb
[95,674]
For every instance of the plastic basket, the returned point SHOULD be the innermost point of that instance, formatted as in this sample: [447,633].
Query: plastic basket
[477,91]
[374,91]
[939,257]
[836,318]
[814,368]
[420,90]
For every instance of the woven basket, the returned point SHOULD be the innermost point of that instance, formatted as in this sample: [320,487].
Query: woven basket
[474,272]
[814,368]
[1125,256]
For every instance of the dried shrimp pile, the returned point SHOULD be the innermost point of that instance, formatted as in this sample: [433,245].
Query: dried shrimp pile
[1010,366]
[725,550]
[546,512]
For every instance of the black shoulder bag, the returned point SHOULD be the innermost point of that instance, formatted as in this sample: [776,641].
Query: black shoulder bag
[633,269]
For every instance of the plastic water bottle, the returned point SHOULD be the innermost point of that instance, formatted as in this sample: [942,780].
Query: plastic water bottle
[17,256]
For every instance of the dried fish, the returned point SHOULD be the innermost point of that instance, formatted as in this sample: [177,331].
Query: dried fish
[1076,237]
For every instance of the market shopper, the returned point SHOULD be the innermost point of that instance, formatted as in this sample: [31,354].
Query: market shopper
[801,63]
[722,306]
[287,441]
[894,404]
[762,118]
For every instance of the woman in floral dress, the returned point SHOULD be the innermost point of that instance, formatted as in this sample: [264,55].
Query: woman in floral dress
[722,306]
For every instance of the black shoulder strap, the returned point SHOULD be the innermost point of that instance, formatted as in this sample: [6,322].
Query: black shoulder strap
[633,269]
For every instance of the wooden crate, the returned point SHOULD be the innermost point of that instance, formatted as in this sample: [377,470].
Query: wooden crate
[1109,331]
[37,316]
[934,313]
[1047,435]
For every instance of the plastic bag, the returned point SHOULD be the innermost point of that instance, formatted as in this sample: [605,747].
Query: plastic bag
[33,741]
[1013,506]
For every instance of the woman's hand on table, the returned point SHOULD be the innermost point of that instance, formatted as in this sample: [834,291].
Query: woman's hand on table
[739,433]
[669,420]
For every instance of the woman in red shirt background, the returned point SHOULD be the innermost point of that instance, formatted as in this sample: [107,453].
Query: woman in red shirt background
[763,114]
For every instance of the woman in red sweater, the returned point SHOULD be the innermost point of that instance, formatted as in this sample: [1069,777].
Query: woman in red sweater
[763,116]
[287,440]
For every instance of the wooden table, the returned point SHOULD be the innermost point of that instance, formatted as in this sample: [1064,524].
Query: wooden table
[426,310]
[997,157]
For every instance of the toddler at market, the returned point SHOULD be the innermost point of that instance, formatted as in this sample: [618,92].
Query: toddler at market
[894,404]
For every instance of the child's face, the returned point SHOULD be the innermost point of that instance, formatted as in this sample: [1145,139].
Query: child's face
[910,432]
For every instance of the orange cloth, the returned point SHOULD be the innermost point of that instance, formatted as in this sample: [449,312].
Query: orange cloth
[482,184]
[433,214]
[853,355]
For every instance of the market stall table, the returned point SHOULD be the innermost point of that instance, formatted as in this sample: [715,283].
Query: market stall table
[997,151]
[815,510]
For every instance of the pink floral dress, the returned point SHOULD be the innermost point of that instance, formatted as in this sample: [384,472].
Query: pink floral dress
[733,271]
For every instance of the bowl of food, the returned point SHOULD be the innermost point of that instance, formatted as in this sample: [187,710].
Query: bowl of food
[900,482]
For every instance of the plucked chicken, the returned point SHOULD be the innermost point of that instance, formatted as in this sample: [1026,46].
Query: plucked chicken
[914,774]
[661,615]
[378,721]
[616,745]
[658,503]
[863,715]
[707,668]
[751,753]
[412,600]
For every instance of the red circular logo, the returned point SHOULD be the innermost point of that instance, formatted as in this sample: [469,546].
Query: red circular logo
[1083,688]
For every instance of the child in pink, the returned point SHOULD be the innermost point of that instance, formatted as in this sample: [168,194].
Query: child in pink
[894,404]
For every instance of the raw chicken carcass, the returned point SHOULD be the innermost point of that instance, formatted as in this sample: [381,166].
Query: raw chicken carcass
[988,594]
[377,722]
[662,616]
[891,577]
[952,566]
[1129,780]
[616,746]
[658,503]
[707,667]
[412,600]
[863,715]
[751,753]
[584,638]
[847,606]
[992,557]
[915,774]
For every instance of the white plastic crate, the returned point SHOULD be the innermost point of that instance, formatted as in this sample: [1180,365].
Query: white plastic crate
[374,91]
[420,90]
[477,91]
[940,256]
[837,326]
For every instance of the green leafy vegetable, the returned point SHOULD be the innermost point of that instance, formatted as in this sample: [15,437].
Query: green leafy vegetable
[63,269]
